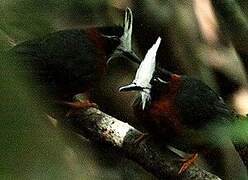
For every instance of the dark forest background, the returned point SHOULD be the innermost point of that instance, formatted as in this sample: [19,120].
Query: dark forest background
[194,43]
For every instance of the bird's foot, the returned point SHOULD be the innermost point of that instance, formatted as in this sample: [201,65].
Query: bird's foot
[141,138]
[79,102]
[187,163]
[79,105]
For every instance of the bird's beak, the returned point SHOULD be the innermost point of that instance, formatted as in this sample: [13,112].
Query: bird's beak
[117,54]
[130,87]
[122,53]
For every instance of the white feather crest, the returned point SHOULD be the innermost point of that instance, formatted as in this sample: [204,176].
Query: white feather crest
[146,69]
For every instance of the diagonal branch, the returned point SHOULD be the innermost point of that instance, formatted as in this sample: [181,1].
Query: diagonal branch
[100,127]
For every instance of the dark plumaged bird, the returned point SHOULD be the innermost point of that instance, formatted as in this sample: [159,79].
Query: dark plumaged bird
[69,62]
[183,111]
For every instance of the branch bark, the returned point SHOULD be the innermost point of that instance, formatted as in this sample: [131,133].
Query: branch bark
[100,127]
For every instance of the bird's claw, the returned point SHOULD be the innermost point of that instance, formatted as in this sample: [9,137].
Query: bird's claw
[79,105]
[80,101]
[187,163]
[141,138]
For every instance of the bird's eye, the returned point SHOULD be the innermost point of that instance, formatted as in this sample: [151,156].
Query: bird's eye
[158,81]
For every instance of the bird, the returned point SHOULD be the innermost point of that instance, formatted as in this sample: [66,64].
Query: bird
[71,62]
[183,111]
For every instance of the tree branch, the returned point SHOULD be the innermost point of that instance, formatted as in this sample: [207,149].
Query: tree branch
[100,127]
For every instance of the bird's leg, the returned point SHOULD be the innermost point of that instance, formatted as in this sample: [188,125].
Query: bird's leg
[77,106]
[80,101]
[80,104]
[187,159]
[141,138]
[188,162]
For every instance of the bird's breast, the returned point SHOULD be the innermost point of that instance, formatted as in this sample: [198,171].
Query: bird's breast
[163,110]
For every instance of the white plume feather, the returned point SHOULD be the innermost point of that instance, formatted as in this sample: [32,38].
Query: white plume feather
[146,69]
[144,75]
[145,72]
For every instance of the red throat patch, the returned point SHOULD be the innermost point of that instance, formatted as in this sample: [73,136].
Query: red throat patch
[164,110]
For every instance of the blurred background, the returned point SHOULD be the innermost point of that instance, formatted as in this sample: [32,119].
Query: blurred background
[194,42]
